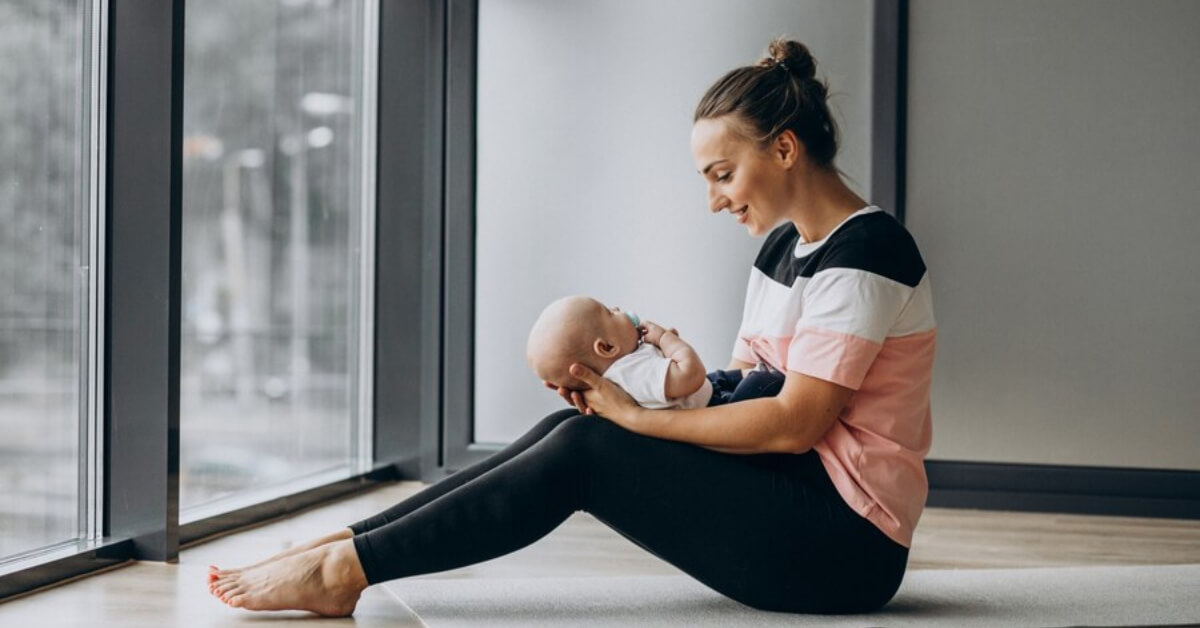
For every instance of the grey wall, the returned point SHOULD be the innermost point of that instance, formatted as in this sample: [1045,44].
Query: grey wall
[1053,187]
[585,183]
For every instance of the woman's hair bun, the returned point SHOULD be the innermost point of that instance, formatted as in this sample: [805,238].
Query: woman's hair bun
[793,55]
[763,102]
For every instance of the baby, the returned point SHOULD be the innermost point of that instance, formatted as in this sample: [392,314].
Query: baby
[652,364]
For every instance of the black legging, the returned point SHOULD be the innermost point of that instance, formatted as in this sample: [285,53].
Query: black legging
[767,530]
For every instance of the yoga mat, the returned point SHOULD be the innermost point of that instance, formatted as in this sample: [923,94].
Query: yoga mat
[1075,596]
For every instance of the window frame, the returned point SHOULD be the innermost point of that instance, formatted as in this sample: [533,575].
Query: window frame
[142,276]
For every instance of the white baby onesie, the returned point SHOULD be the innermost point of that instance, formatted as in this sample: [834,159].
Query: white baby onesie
[643,374]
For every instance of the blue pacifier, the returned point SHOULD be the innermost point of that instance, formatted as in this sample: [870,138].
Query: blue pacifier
[633,318]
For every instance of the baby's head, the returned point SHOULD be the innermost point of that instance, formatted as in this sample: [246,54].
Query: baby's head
[578,329]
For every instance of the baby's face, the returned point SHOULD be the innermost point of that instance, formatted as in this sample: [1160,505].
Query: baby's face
[620,327]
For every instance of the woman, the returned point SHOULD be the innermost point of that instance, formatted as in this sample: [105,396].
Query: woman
[802,502]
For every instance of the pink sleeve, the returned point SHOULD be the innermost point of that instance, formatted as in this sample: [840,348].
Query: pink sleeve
[742,352]
[843,359]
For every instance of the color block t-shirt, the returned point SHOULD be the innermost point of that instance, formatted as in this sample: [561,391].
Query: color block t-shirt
[854,309]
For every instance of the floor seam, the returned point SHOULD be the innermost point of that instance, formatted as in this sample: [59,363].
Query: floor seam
[401,602]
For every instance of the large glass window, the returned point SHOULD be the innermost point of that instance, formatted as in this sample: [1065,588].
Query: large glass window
[46,209]
[274,204]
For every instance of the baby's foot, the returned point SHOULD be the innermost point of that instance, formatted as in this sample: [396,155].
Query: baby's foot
[326,580]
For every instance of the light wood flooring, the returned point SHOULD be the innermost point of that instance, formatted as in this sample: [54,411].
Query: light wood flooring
[156,594]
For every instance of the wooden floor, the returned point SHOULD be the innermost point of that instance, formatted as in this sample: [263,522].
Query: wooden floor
[156,594]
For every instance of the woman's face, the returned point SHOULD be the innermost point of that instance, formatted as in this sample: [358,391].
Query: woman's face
[747,181]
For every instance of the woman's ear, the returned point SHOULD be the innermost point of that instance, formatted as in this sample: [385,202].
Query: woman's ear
[604,349]
[786,149]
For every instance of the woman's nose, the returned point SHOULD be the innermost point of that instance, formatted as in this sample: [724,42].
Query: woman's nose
[716,202]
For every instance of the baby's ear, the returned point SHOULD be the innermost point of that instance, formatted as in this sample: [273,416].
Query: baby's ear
[605,349]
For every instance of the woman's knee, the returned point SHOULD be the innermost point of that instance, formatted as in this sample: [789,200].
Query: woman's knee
[547,425]
[555,419]
[586,437]
[581,427]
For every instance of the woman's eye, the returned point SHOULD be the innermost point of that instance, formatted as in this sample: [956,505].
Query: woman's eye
[725,177]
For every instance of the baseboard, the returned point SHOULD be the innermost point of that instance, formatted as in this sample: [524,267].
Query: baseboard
[1063,488]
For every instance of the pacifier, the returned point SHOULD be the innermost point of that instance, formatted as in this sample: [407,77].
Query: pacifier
[633,318]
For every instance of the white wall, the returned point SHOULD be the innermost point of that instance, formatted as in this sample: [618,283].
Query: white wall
[585,183]
[1053,188]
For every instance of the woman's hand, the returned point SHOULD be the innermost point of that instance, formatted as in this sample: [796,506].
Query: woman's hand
[572,397]
[605,398]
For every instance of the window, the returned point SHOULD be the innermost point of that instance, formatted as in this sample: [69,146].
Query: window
[275,258]
[48,74]
[254,188]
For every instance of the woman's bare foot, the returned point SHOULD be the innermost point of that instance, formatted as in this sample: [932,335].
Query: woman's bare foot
[326,580]
[214,572]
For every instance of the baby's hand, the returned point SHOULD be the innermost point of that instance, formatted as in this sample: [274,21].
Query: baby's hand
[653,332]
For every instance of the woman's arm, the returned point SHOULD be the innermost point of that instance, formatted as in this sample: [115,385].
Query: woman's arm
[791,422]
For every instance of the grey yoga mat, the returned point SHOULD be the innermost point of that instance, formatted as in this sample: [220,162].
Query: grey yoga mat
[1074,596]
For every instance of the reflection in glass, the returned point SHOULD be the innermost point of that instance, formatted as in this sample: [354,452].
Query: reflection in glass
[44,223]
[272,220]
